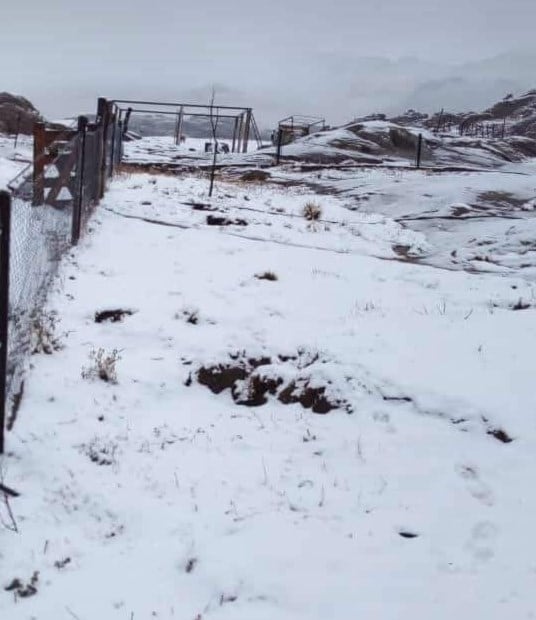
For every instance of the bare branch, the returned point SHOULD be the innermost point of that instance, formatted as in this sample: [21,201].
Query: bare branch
[6,492]
[12,525]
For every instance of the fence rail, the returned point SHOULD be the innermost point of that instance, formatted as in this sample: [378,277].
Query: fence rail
[43,215]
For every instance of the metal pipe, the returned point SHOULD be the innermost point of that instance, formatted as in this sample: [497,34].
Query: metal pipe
[176,105]
[5,224]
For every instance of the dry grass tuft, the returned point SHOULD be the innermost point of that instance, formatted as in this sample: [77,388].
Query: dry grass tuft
[312,211]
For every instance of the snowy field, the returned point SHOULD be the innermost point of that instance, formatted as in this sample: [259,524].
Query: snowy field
[476,221]
[148,495]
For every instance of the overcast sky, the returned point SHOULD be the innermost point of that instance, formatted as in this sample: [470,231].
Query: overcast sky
[337,58]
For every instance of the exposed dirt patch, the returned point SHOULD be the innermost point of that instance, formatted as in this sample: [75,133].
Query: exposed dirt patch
[404,252]
[255,176]
[287,378]
[267,275]
[500,435]
[502,200]
[309,397]
[217,220]
[112,316]
[201,206]
[24,589]
[221,376]
[521,305]
[459,211]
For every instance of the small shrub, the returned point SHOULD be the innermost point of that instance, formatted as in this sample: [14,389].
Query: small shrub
[267,275]
[101,451]
[43,336]
[312,211]
[102,366]
[190,315]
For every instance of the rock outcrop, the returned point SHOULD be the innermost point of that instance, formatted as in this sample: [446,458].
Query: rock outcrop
[17,114]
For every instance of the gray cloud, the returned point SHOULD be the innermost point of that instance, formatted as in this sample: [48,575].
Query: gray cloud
[340,58]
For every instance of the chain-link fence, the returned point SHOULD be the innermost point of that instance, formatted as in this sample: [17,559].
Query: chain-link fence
[45,214]
[40,235]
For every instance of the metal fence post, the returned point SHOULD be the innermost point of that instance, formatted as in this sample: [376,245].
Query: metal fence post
[103,121]
[113,147]
[419,151]
[79,199]
[5,225]
[279,145]
[39,146]
[246,131]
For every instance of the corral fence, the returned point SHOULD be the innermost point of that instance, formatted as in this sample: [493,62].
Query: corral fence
[472,126]
[42,216]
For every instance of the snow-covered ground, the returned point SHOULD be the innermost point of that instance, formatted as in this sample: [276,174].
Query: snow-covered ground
[153,497]
[478,221]
[14,160]
[162,149]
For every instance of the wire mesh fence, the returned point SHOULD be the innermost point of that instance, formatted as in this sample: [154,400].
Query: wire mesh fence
[40,220]
[41,233]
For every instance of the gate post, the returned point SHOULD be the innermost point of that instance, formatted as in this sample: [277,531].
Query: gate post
[81,167]
[114,140]
[5,225]
[279,145]
[103,120]
[419,151]
[39,146]
[246,131]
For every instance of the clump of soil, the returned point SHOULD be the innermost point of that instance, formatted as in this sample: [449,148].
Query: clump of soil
[252,380]
[521,305]
[500,435]
[309,397]
[24,590]
[267,275]
[112,316]
[217,220]
[202,206]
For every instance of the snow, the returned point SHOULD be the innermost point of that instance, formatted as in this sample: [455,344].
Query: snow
[162,149]
[13,160]
[203,508]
